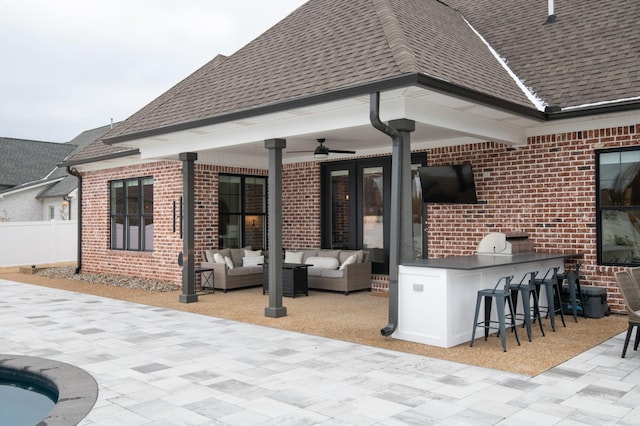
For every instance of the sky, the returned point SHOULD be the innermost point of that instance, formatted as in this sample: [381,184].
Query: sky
[67,66]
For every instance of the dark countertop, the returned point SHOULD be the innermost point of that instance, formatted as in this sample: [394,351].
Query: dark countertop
[480,261]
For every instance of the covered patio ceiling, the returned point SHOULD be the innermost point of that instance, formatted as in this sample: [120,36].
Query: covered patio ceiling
[441,120]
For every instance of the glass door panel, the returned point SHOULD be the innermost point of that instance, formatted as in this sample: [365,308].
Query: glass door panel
[373,212]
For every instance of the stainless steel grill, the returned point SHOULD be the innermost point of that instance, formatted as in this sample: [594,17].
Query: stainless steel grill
[500,243]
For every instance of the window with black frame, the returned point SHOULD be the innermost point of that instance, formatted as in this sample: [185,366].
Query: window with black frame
[242,210]
[131,214]
[618,206]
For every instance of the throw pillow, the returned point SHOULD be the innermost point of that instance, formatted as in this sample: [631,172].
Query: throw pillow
[228,261]
[218,258]
[252,260]
[252,253]
[348,261]
[293,256]
[208,256]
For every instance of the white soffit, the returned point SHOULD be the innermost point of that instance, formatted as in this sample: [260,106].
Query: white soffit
[464,121]
[345,123]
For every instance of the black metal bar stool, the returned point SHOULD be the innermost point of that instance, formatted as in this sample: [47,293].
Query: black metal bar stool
[502,296]
[527,288]
[575,297]
[552,290]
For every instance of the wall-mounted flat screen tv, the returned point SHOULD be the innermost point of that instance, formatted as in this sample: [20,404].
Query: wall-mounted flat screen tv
[448,184]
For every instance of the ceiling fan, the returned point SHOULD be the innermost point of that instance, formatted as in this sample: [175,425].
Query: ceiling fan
[323,151]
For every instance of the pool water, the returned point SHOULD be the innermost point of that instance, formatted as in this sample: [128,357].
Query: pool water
[22,404]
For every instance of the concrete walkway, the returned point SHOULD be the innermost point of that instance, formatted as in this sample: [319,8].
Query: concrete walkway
[161,367]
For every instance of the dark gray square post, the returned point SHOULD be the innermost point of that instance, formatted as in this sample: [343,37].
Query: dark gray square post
[403,162]
[188,242]
[275,308]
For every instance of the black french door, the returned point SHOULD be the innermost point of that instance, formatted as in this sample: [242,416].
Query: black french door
[356,208]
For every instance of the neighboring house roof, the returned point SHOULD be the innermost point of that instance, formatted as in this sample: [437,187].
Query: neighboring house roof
[69,183]
[28,160]
[59,182]
[326,49]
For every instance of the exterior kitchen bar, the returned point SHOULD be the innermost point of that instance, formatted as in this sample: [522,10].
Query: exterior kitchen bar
[437,296]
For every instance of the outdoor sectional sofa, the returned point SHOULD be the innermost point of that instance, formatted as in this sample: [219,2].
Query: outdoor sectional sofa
[336,270]
[234,268]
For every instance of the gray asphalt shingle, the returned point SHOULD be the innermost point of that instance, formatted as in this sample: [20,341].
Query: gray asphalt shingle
[588,55]
[27,160]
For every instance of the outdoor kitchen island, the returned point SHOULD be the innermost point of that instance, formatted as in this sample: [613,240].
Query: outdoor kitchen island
[437,297]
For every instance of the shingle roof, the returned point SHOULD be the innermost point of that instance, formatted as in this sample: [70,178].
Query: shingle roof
[27,160]
[69,182]
[588,55]
[31,162]
[329,45]
[95,147]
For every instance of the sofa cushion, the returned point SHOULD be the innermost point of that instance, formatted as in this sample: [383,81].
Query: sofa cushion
[252,260]
[229,262]
[238,271]
[345,254]
[236,256]
[314,272]
[308,253]
[254,269]
[328,253]
[348,261]
[331,273]
[224,252]
[293,256]
[252,253]
[320,262]
[208,255]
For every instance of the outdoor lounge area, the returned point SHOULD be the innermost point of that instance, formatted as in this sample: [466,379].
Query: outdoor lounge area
[333,270]
[157,365]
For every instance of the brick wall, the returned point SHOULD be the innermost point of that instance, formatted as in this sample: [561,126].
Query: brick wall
[97,257]
[300,205]
[546,189]
[160,264]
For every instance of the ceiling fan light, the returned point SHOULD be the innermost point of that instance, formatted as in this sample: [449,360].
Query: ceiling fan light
[320,155]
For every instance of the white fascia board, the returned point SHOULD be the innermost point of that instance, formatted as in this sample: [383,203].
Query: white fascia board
[30,187]
[623,118]
[465,123]
[117,162]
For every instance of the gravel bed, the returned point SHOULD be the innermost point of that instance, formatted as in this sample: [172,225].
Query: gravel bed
[67,273]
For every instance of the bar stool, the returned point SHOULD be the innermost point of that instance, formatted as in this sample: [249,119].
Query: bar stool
[552,290]
[527,287]
[575,298]
[502,295]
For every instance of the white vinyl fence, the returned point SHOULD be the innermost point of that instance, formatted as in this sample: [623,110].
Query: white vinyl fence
[36,243]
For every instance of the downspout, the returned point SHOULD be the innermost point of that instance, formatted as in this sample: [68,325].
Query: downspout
[74,172]
[396,198]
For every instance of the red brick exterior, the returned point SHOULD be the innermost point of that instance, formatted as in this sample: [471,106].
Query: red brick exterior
[546,189]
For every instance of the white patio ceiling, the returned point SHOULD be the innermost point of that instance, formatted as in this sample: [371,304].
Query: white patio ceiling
[441,120]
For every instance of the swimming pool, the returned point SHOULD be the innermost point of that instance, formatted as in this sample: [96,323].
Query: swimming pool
[76,390]
[24,403]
